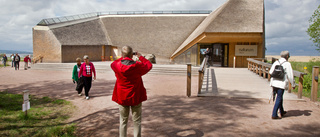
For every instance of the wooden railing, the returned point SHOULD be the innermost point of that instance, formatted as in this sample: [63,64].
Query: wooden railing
[258,66]
[202,70]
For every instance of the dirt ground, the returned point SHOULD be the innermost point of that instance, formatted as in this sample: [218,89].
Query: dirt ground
[167,112]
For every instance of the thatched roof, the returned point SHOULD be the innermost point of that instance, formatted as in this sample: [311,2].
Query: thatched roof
[235,16]
[157,34]
[84,33]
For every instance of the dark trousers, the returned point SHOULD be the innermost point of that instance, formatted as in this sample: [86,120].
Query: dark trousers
[12,63]
[16,65]
[80,85]
[87,84]
[279,102]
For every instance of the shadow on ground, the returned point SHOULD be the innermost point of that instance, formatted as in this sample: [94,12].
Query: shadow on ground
[63,89]
[171,116]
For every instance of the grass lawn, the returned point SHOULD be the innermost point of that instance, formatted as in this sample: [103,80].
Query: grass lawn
[307,80]
[45,118]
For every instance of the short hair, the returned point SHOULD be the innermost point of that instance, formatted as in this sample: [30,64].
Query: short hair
[78,59]
[85,57]
[126,51]
[284,54]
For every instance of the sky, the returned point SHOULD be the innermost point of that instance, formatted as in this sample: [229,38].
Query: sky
[286,21]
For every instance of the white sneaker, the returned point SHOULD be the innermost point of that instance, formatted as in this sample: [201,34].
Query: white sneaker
[87,97]
[80,94]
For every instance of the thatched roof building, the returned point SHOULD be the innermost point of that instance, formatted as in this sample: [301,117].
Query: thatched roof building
[171,37]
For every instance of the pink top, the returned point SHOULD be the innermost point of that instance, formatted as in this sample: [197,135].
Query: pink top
[86,70]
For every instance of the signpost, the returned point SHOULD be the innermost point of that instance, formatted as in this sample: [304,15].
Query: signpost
[26,103]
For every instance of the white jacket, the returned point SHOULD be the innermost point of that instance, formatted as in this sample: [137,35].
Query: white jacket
[282,83]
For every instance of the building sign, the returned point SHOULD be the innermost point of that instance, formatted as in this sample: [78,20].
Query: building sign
[246,50]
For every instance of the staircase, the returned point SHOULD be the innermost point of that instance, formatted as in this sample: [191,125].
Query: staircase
[103,67]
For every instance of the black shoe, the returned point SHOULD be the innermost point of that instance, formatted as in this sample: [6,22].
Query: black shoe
[282,114]
[276,117]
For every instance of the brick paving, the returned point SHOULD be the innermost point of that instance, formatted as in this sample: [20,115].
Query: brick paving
[167,112]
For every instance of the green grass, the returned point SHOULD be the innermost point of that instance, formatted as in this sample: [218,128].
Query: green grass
[307,80]
[45,118]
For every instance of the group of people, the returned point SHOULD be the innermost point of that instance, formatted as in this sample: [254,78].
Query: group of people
[129,91]
[15,61]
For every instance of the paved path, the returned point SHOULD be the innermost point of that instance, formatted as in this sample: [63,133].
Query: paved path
[237,82]
[167,112]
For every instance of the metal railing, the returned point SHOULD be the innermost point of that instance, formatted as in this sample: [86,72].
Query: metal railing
[202,70]
[51,21]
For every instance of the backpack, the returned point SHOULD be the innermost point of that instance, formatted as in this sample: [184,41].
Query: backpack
[17,58]
[278,71]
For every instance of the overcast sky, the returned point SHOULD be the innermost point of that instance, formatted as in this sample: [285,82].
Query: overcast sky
[286,20]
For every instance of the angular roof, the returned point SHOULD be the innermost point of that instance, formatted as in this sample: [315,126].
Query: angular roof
[157,34]
[235,16]
[84,33]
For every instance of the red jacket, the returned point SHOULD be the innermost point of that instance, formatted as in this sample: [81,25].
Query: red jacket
[83,70]
[26,59]
[129,89]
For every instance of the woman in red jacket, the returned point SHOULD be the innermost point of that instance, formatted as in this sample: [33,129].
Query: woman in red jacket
[129,91]
[86,69]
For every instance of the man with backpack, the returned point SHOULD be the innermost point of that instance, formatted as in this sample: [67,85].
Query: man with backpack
[281,73]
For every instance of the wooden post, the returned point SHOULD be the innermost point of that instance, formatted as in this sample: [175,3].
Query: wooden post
[188,80]
[260,70]
[103,53]
[200,82]
[269,76]
[264,72]
[300,86]
[314,88]
[257,68]
[290,87]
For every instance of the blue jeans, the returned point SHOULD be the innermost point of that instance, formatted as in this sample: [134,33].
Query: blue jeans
[279,102]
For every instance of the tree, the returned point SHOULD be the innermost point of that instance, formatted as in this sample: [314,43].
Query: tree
[314,28]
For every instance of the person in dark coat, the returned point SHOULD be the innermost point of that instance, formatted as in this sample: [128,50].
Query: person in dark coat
[16,61]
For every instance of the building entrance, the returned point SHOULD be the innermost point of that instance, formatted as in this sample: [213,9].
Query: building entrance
[218,54]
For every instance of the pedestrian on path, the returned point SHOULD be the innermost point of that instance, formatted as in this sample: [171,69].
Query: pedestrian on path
[129,91]
[4,60]
[86,70]
[12,60]
[279,85]
[75,79]
[26,62]
[16,61]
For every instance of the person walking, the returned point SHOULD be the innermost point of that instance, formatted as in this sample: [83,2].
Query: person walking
[26,62]
[16,61]
[4,60]
[129,91]
[12,60]
[75,78]
[86,70]
[281,84]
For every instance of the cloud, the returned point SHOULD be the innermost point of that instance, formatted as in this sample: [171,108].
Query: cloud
[286,25]
[286,20]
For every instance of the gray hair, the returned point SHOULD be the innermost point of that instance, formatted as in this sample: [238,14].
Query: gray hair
[284,54]
[126,51]
[85,57]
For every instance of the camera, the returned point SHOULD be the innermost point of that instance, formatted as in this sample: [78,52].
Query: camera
[134,53]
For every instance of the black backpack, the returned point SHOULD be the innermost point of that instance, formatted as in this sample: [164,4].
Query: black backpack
[278,71]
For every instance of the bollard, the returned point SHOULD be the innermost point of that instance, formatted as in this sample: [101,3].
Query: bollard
[26,103]
[314,88]
[188,80]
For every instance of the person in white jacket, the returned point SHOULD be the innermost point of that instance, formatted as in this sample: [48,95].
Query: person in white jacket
[279,85]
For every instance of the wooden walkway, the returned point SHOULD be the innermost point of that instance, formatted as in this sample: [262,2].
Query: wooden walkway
[237,82]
